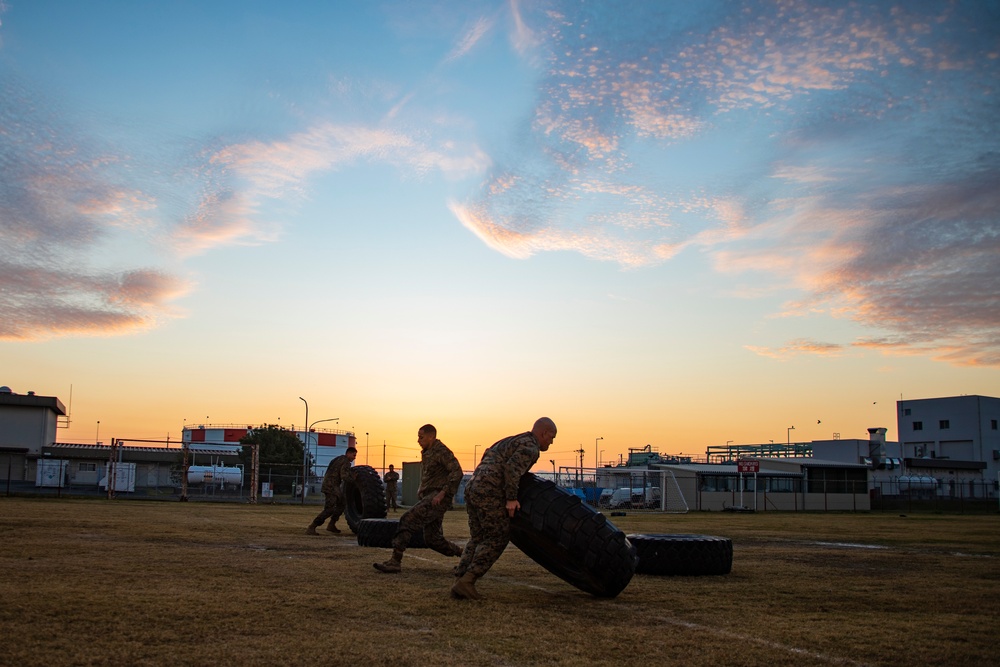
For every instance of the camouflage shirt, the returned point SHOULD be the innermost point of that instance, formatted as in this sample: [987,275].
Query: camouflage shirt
[439,469]
[338,471]
[500,470]
[391,478]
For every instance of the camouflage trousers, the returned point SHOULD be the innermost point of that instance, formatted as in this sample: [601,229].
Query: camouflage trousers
[333,508]
[390,497]
[489,525]
[427,517]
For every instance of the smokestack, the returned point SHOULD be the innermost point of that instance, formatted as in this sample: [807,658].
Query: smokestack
[876,447]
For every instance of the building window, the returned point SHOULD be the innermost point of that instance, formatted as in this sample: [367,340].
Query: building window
[87,467]
[918,426]
[906,412]
[944,423]
[837,480]
[993,424]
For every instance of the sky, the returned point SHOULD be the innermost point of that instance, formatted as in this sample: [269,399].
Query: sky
[670,224]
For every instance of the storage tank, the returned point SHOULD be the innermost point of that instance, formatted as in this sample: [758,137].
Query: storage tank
[215,475]
[918,484]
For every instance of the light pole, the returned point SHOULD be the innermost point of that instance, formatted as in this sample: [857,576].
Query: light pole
[475,451]
[600,458]
[366,448]
[597,464]
[788,432]
[309,437]
[97,436]
[304,452]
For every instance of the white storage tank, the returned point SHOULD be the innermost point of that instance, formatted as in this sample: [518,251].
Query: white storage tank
[917,484]
[216,475]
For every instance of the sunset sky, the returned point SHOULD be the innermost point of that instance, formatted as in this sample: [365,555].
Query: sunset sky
[666,223]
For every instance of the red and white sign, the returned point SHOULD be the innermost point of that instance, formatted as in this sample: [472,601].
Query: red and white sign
[744,466]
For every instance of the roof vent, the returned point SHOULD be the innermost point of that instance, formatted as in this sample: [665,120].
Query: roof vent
[5,390]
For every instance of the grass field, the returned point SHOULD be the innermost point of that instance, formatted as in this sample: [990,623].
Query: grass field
[93,582]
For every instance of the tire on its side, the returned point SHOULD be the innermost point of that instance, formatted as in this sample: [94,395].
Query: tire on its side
[379,533]
[365,496]
[571,540]
[683,555]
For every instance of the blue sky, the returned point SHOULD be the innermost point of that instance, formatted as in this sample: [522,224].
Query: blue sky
[677,223]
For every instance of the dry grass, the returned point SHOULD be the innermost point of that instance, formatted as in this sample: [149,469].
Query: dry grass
[91,582]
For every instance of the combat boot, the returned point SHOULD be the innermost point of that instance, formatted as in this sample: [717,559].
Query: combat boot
[311,530]
[392,566]
[465,587]
[333,528]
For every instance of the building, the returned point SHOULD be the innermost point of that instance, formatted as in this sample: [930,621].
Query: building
[323,444]
[954,440]
[28,423]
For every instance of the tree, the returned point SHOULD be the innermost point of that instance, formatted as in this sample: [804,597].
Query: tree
[280,456]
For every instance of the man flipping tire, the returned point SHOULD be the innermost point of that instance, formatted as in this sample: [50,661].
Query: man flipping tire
[440,476]
[491,501]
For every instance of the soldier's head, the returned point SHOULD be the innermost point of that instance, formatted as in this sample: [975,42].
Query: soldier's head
[351,453]
[544,431]
[426,436]
[390,467]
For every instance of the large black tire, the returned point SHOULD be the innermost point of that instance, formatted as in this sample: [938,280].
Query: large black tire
[379,533]
[683,555]
[571,540]
[365,496]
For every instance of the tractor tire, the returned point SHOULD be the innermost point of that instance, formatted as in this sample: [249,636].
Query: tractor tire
[379,533]
[683,555]
[365,496]
[569,539]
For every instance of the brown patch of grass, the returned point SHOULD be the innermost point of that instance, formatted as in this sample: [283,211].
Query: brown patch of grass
[92,582]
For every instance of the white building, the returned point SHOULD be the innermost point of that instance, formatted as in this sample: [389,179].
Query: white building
[954,439]
[27,424]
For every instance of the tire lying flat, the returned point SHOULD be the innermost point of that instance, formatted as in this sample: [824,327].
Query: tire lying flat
[571,540]
[683,555]
[365,496]
[379,533]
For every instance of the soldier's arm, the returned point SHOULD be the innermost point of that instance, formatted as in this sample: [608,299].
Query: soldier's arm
[518,464]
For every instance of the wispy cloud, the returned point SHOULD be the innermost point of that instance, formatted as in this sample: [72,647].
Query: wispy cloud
[243,178]
[470,39]
[799,346]
[859,169]
[62,201]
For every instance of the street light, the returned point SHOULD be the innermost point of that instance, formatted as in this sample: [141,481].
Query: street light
[788,432]
[597,464]
[475,452]
[97,436]
[304,452]
[309,438]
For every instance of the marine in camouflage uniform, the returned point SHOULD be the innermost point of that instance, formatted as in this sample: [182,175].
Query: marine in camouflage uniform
[390,479]
[440,476]
[491,501]
[333,489]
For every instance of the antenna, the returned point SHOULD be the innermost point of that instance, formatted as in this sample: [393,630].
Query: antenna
[69,411]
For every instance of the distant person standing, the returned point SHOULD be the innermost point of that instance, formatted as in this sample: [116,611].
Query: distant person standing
[391,478]
[491,501]
[440,476]
[337,473]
